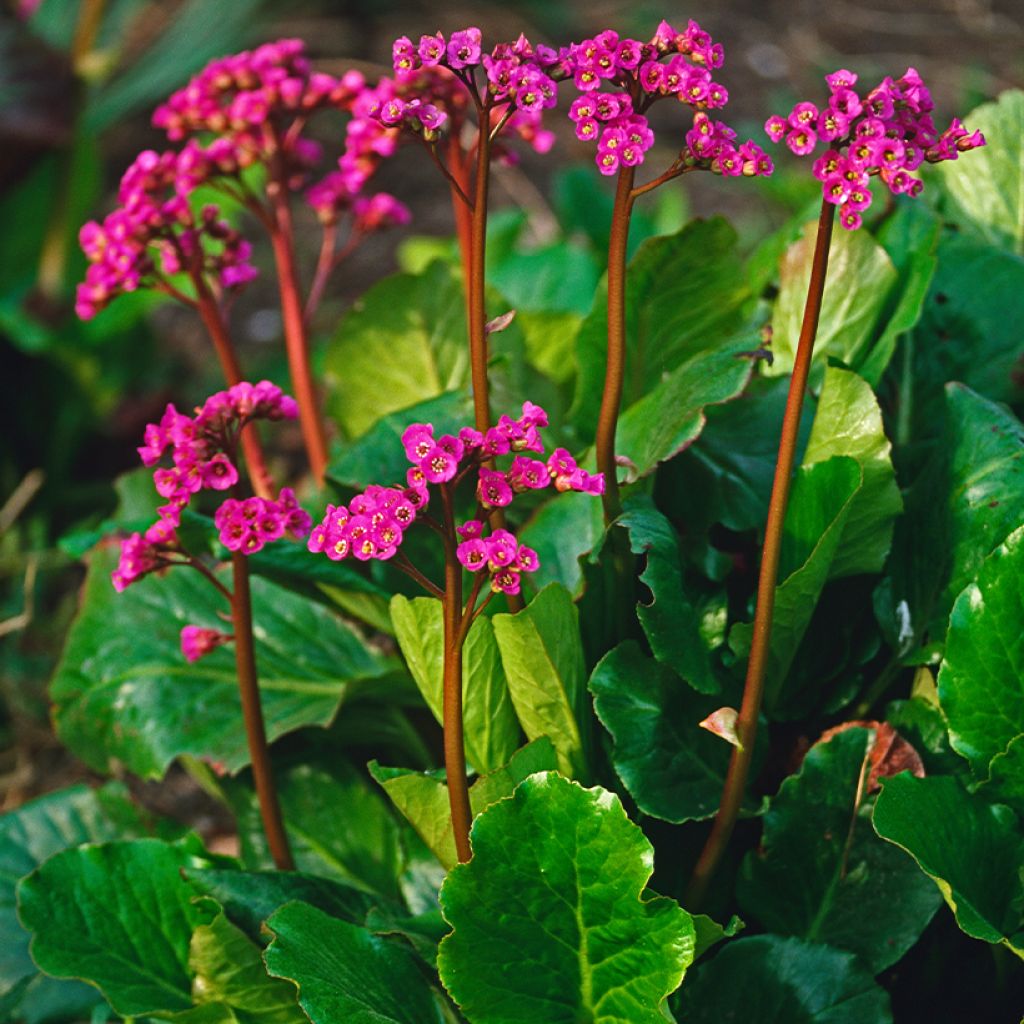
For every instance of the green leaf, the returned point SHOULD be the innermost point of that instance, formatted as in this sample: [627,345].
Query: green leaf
[338,826]
[670,416]
[408,335]
[562,531]
[672,768]
[819,505]
[859,280]
[119,916]
[28,836]
[849,422]
[987,186]
[671,620]
[709,933]
[549,921]
[230,983]
[1006,776]
[344,973]
[250,897]
[820,872]
[543,660]
[557,278]
[491,728]
[422,797]
[964,506]
[911,238]
[124,692]
[767,979]
[981,682]
[377,457]
[684,293]
[971,849]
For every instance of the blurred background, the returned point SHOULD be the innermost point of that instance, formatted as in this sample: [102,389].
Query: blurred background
[78,80]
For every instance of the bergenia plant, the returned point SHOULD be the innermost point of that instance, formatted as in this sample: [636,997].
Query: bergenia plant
[373,525]
[886,133]
[504,882]
[204,454]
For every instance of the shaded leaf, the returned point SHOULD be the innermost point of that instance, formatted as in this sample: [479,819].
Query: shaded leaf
[562,531]
[670,619]
[338,826]
[543,660]
[345,973]
[822,874]
[549,921]
[491,727]
[672,768]
[782,980]
[971,849]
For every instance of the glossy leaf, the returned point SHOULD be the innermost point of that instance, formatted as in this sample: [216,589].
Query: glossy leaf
[822,874]
[672,768]
[407,335]
[345,973]
[971,849]
[28,836]
[987,185]
[124,692]
[981,682]
[549,917]
[859,279]
[119,916]
[669,417]
[849,422]
[767,979]
[422,797]
[819,505]
[670,619]
[685,292]
[543,660]
[491,727]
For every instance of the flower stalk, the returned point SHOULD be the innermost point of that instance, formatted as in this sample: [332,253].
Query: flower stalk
[252,714]
[753,690]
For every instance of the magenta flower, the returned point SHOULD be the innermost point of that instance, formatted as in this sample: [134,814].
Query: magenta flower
[197,641]
[886,133]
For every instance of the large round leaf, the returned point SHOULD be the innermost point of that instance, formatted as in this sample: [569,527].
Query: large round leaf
[549,916]
[124,692]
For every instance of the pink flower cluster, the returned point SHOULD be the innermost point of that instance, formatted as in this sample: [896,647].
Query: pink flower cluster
[500,554]
[201,449]
[198,641]
[153,234]
[248,525]
[673,63]
[436,77]
[888,133]
[374,522]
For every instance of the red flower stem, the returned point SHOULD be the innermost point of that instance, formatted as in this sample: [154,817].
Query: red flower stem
[259,754]
[451,714]
[295,337]
[753,690]
[255,461]
[324,265]
[462,211]
[611,397]
[477,306]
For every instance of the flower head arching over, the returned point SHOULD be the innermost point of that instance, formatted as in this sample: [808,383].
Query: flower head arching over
[885,133]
